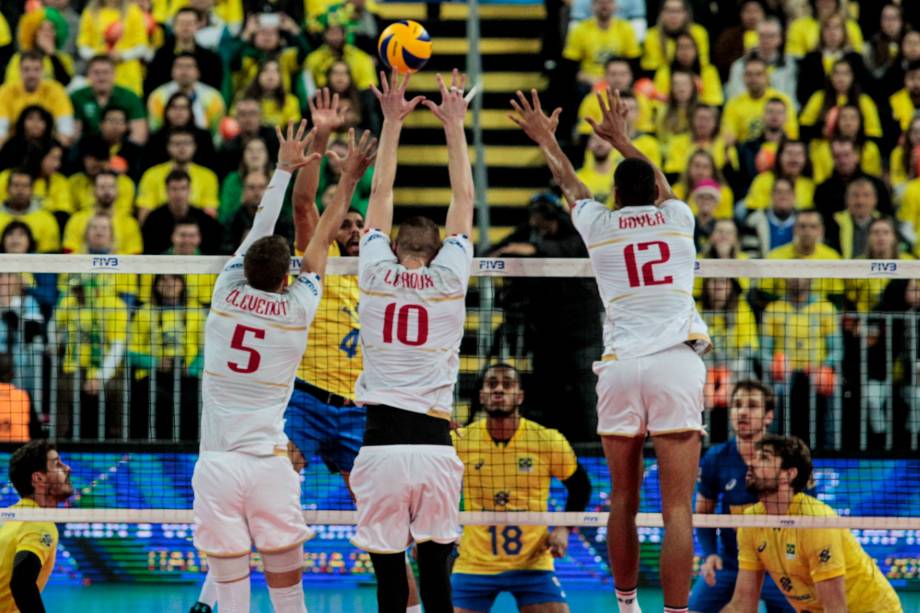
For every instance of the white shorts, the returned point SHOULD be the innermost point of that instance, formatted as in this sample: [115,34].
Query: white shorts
[243,500]
[656,394]
[406,493]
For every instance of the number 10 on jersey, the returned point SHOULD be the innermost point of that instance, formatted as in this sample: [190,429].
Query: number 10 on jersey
[408,323]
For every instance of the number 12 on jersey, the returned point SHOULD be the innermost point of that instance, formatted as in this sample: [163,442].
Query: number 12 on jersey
[648,268]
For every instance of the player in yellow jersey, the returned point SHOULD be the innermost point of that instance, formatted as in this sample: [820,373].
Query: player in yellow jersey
[321,416]
[820,570]
[28,549]
[509,462]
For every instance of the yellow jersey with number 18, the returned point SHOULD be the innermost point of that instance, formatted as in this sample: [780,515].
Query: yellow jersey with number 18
[332,361]
[40,538]
[512,476]
[798,558]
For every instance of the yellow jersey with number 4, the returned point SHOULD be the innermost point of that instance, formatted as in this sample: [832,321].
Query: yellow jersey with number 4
[40,538]
[512,476]
[798,558]
[332,361]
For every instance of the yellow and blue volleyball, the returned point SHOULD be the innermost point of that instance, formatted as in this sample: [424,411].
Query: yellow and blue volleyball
[404,46]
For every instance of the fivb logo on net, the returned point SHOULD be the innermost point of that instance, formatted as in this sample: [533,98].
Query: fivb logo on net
[882,267]
[107,262]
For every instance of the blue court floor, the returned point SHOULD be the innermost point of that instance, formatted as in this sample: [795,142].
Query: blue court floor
[177,599]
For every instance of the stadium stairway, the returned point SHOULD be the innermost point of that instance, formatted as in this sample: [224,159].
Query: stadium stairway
[509,47]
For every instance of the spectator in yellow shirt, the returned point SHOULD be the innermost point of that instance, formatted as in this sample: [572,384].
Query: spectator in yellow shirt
[165,351]
[278,105]
[672,117]
[848,230]
[20,205]
[94,154]
[618,76]
[882,244]
[646,143]
[91,326]
[805,32]
[742,118]
[49,187]
[840,89]
[127,232]
[598,169]
[849,125]
[791,163]
[807,244]
[701,166]
[207,103]
[45,30]
[335,48]
[659,46]
[904,164]
[592,41]
[152,189]
[906,102]
[32,89]
[116,28]
[687,57]
[703,134]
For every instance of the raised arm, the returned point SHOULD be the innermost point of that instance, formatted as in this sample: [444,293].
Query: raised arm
[291,156]
[614,129]
[327,117]
[452,112]
[542,130]
[395,108]
[358,159]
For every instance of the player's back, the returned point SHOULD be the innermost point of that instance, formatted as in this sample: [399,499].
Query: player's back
[254,341]
[411,325]
[40,538]
[644,259]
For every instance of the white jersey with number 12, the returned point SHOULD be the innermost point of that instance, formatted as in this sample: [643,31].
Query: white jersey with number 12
[411,325]
[252,347]
[644,259]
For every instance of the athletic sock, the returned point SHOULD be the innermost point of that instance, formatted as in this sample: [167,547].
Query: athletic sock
[288,599]
[628,600]
[233,597]
[208,595]
[668,609]
[416,608]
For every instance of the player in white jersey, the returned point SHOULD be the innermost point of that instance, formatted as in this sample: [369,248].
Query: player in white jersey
[650,378]
[407,476]
[246,492]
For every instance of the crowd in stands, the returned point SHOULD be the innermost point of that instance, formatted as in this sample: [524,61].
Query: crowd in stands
[147,126]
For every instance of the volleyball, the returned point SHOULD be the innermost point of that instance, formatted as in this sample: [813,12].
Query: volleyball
[404,46]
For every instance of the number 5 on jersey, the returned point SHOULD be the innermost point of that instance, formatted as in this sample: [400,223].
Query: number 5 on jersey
[239,341]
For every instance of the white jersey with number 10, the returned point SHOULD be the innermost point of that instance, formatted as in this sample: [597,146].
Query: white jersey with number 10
[644,259]
[252,347]
[411,325]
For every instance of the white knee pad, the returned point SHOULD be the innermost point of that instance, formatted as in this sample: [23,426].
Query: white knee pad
[225,570]
[283,561]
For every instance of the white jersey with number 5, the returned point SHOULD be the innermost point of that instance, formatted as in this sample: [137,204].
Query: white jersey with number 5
[644,259]
[253,344]
[411,325]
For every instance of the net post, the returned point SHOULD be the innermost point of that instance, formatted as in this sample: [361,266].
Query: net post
[77,404]
[913,409]
[889,386]
[864,382]
[126,393]
[151,395]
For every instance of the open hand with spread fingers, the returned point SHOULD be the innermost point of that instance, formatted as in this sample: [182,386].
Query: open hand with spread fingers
[360,154]
[453,105]
[392,97]
[613,127]
[292,149]
[530,117]
[325,111]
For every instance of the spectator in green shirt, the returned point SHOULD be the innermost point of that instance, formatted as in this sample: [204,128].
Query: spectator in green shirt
[89,101]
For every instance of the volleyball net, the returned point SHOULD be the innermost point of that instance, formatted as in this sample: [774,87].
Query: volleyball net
[103,355]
